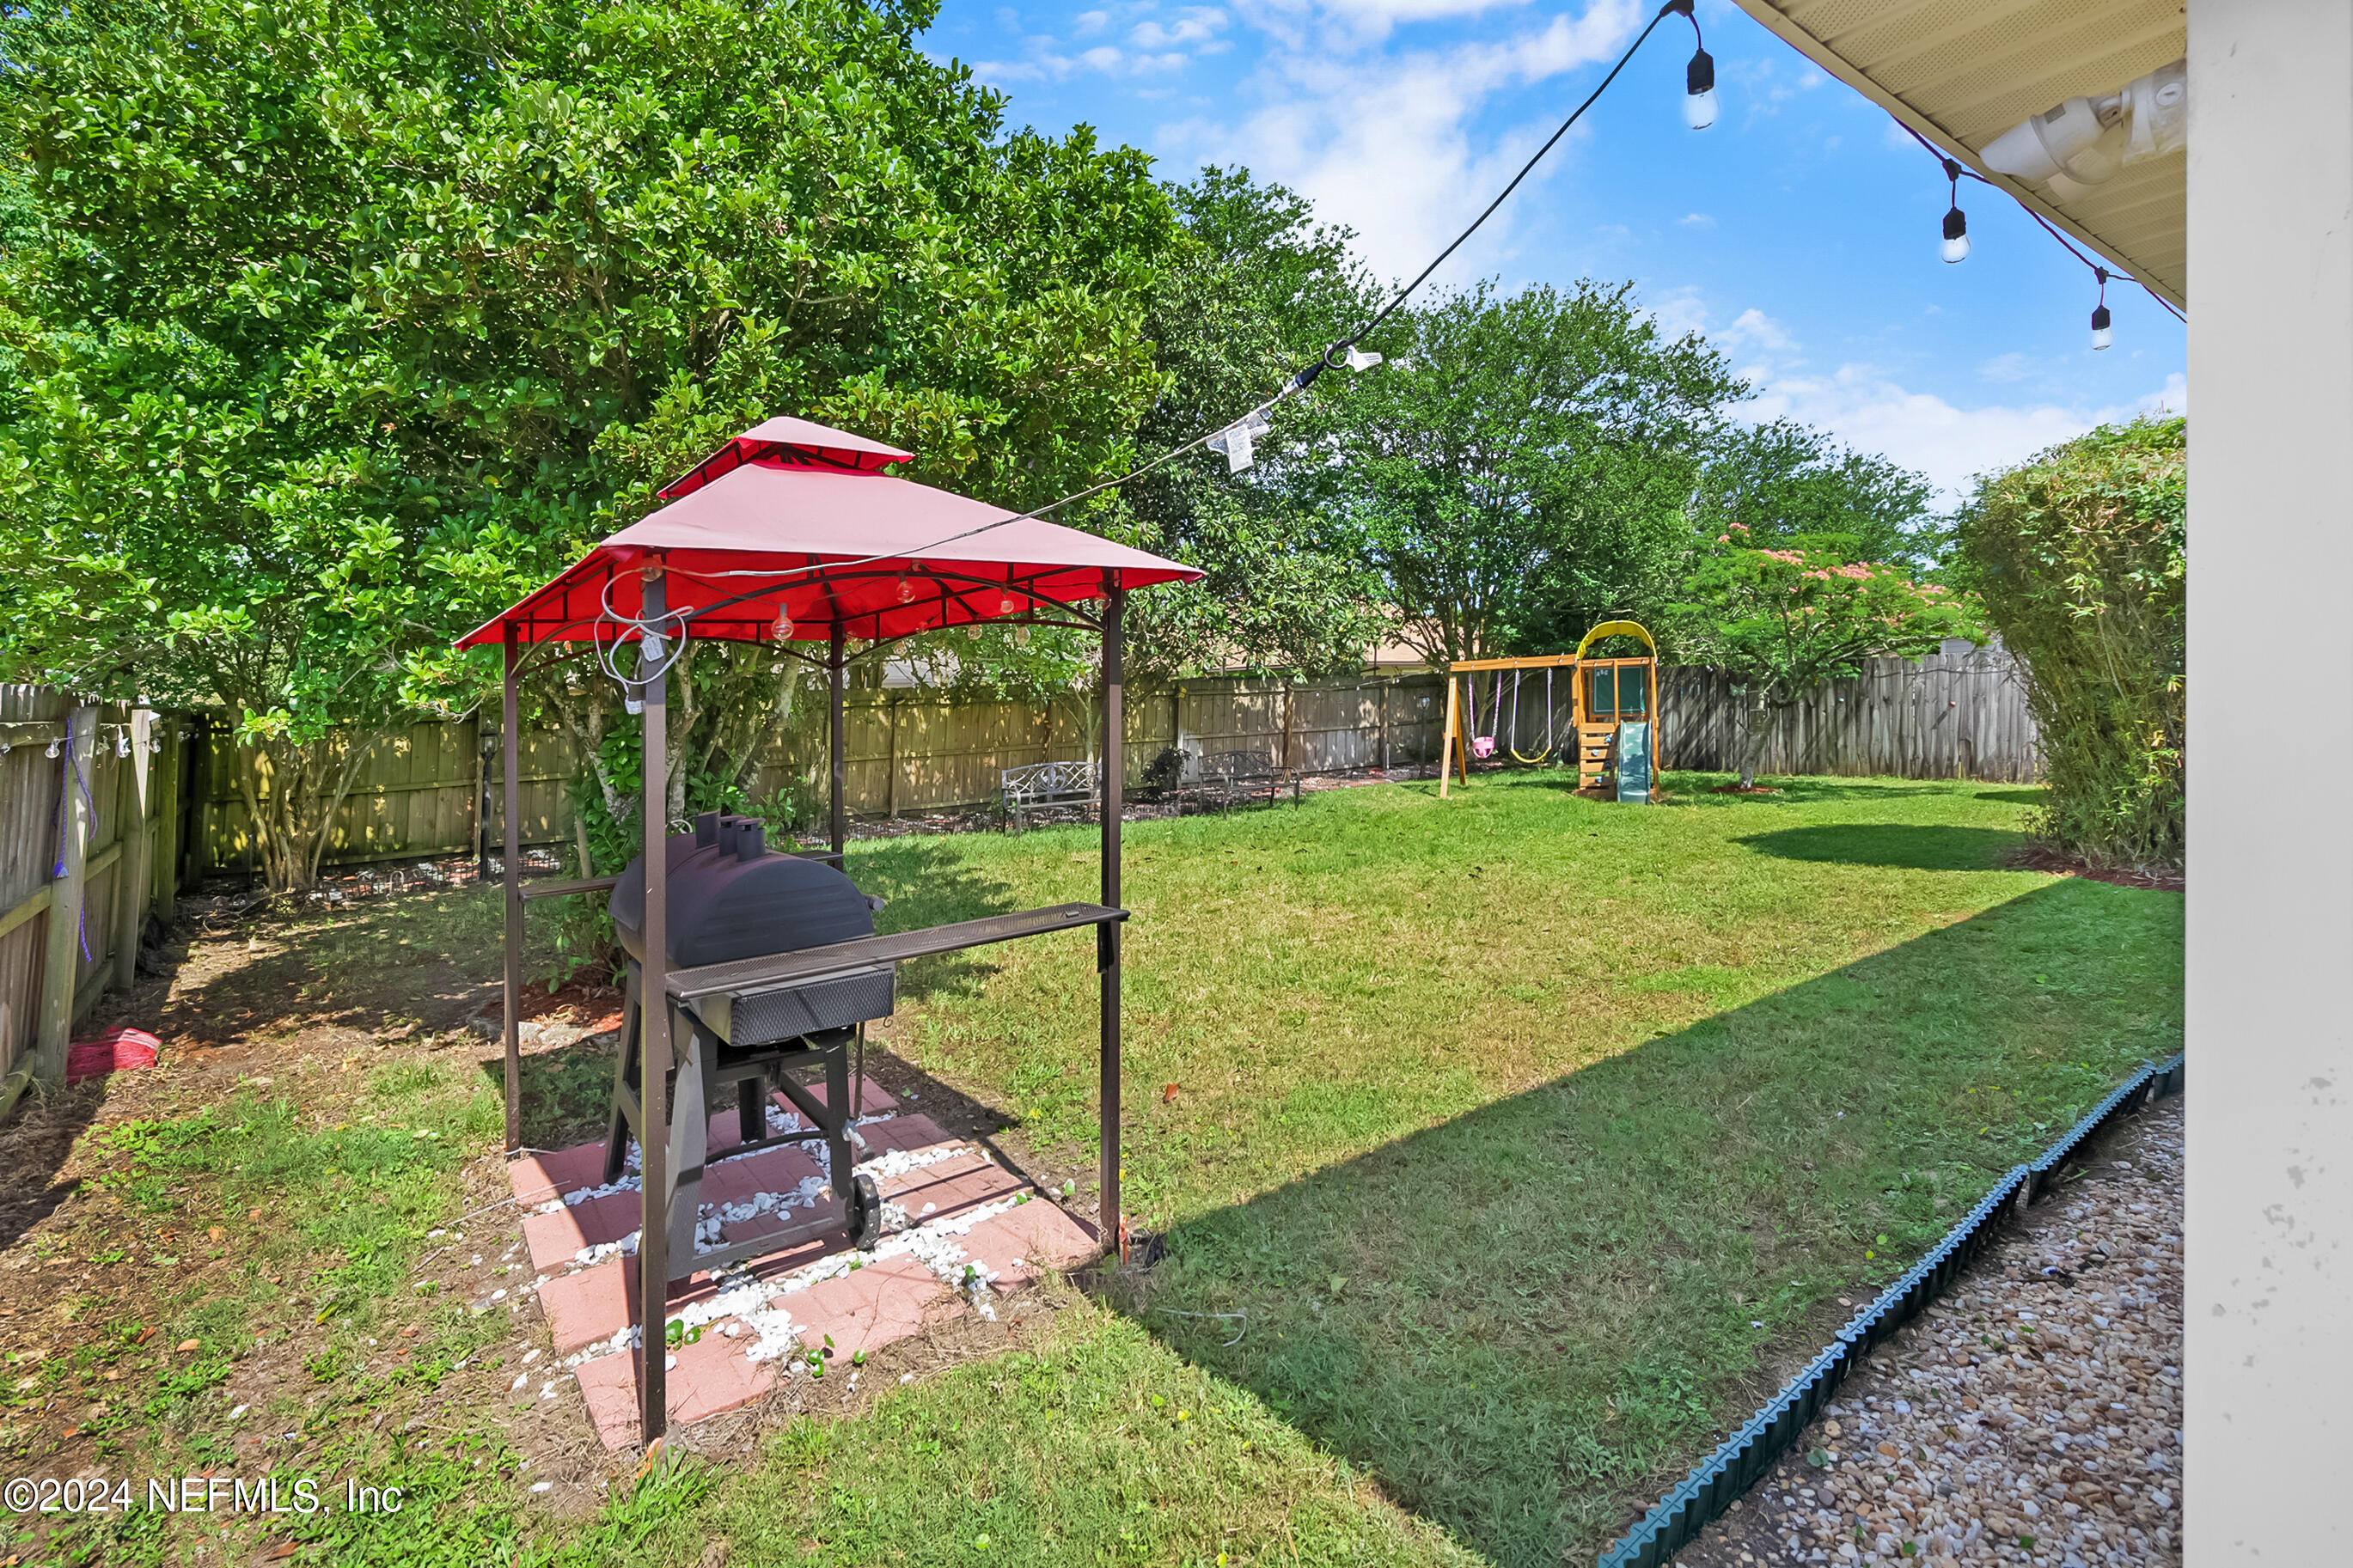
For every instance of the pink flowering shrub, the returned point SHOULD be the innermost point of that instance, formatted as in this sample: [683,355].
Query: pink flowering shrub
[1781,621]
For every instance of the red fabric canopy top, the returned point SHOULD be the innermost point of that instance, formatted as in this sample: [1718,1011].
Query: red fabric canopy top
[797,517]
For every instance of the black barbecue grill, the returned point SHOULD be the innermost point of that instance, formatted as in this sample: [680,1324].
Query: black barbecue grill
[731,899]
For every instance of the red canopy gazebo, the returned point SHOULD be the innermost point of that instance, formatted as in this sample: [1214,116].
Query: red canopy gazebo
[792,533]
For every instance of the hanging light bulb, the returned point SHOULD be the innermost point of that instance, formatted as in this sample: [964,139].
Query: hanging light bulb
[906,590]
[783,629]
[122,743]
[1699,90]
[2101,336]
[1699,77]
[53,749]
[1956,222]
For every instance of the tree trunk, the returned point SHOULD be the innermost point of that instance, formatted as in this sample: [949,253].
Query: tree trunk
[290,804]
[1756,728]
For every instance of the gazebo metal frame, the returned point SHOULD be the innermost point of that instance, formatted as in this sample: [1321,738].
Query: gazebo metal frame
[753,549]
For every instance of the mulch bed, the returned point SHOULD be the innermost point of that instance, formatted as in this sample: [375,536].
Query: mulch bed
[2042,858]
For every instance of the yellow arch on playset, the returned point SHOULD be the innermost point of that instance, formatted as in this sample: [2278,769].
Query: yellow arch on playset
[1605,694]
[1618,629]
[1609,694]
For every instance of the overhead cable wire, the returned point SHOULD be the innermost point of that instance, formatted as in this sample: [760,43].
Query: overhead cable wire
[1332,357]
[1956,170]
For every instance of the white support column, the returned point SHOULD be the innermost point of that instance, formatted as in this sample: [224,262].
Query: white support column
[2269,1303]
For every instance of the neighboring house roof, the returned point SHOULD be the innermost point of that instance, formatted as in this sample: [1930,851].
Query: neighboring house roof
[1961,72]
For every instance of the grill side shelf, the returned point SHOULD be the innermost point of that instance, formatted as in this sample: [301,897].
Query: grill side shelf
[810,963]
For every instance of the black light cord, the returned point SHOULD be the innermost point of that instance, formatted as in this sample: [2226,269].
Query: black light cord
[1955,170]
[1673,7]
[1300,380]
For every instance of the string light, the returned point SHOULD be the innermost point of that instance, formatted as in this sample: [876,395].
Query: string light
[1237,440]
[1699,76]
[1957,244]
[783,629]
[1956,222]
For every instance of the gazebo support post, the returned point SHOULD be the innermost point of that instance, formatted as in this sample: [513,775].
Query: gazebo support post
[653,1032]
[836,810]
[510,862]
[1114,775]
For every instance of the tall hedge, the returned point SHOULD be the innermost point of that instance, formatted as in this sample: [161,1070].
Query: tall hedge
[2079,558]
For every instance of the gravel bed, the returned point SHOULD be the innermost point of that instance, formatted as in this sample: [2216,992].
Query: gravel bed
[2032,1415]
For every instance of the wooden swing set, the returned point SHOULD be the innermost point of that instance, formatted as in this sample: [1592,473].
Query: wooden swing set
[1613,712]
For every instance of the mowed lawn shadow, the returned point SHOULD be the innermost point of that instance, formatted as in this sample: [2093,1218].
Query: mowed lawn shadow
[1524,1321]
[1906,845]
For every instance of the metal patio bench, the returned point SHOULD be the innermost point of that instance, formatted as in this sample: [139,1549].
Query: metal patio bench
[1045,787]
[1224,778]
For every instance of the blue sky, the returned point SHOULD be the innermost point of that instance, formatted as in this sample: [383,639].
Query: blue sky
[1799,233]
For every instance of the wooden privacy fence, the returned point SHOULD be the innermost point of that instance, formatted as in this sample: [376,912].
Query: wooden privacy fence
[1959,713]
[435,788]
[91,844]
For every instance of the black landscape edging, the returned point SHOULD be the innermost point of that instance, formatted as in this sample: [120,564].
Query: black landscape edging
[1743,1457]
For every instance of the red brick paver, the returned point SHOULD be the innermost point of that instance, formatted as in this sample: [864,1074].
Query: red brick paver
[870,1307]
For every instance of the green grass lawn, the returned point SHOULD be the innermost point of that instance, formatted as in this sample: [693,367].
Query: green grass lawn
[1525,1140]
[1503,1120]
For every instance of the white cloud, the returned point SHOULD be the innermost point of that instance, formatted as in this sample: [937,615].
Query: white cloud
[1194,24]
[1868,409]
[1043,59]
[1696,220]
[1678,311]
[2010,366]
[1380,142]
[1340,23]
[1754,329]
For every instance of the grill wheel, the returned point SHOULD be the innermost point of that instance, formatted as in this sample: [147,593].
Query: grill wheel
[865,1213]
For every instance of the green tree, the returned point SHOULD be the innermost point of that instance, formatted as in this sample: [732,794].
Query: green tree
[2081,558]
[1257,290]
[1785,480]
[1780,619]
[342,323]
[1517,470]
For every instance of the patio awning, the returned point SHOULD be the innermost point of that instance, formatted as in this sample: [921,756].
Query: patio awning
[796,516]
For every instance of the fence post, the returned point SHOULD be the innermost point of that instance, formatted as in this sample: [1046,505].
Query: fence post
[72,849]
[891,782]
[134,869]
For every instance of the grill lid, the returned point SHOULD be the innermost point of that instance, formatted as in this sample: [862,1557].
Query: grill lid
[730,898]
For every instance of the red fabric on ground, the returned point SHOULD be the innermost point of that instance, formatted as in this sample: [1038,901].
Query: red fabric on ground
[119,1050]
